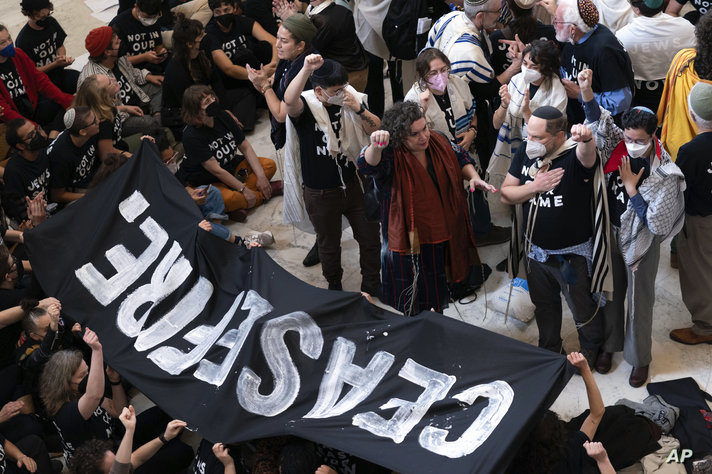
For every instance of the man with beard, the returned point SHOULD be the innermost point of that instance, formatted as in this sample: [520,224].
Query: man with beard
[554,180]
[590,45]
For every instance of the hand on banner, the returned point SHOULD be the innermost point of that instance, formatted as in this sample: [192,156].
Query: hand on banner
[113,375]
[92,340]
[324,469]
[205,225]
[579,361]
[47,302]
[367,296]
[174,428]
[221,452]
[77,329]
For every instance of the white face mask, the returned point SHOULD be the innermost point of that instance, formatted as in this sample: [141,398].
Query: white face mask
[530,75]
[147,21]
[535,149]
[636,150]
[336,99]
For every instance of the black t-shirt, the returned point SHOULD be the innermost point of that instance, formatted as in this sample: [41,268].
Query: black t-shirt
[499,59]
[24,178]
[8,340]
[74,430]
[202,143]
[319,169]
[446,106]
[238,44]
[617,195]
[564,215]
[71,166]
[695,161]
[602,53]
[111,129]
[41,45]
[702,6]
[336,38]
[16,88]
[575,460]
[126,93]
[137,39]
[648,93]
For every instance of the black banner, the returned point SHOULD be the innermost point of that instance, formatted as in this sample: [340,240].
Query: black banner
[227,340]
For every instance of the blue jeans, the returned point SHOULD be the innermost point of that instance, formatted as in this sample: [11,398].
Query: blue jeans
[214,204]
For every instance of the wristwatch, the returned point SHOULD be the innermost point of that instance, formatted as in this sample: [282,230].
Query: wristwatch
[361,110]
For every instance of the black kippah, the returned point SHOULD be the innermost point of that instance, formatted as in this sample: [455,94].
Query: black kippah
[547,112]
[34,5]
[326,70]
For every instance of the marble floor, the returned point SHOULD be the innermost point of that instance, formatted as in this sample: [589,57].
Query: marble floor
[670,360]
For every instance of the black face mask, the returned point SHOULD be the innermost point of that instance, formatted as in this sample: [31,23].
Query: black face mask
[226,20]
[212,110]
[43,23]
[38,142]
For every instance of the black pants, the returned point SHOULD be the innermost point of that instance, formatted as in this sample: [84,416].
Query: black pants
[546,283]
[325,208]
[65,79]
[34,447]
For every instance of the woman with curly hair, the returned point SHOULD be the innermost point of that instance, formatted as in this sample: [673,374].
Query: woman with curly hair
[689,67]
[425,223]
[100,93]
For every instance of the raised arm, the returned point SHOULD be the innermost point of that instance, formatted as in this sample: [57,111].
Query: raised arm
[595,402]
[146,452]
[292,95]
[586,148]
[95,383]
[379,141]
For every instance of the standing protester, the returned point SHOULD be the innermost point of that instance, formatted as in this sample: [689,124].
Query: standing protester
[235,41]
[645,198]
[42,38]
[140,35]
[326,129]
[557,181]
[652,39]
[138,89]
[425,224]
[589,44]
[21,85]
[27,171]
[694,242]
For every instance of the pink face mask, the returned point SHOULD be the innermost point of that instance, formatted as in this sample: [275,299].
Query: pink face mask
[439,82]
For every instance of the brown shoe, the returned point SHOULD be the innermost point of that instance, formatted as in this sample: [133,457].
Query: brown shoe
[604,361]
[674,262]
[638,376]
[687,336]
[496,235]
[277,187]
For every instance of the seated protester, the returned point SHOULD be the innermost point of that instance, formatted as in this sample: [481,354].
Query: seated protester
[188,66]
[336,39]
[646,202]
[14,284]
[140,35]
[27,171]
[100,93]
[27,455]
[234,41]
[523,24]
[10,314]
[139,90]
[97,456]
[42,38]
[21,84]
[213,141]
[650,31]
[72,155]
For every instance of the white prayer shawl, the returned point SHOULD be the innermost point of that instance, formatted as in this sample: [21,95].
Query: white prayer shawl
[352,137]
[663,191]
[653,42]
[368,19]
[463,107]
[456,36]
[512,132]
[615,14]
[311,11]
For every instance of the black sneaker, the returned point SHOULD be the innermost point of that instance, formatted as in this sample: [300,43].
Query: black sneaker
[335,286]
[312,257]
[373,289]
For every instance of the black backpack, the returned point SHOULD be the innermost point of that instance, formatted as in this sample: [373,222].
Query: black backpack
[400,27]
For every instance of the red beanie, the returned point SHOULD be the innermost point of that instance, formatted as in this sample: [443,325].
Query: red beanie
[98,40]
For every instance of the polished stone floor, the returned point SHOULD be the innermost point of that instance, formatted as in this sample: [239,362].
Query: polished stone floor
[670,360]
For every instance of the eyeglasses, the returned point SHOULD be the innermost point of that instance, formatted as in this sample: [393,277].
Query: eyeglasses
[6,42]
[95,122]
[31,136]
[561,22]
[432,74]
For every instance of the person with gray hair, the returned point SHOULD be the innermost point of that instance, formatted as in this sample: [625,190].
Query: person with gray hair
[591,45]
[693,244]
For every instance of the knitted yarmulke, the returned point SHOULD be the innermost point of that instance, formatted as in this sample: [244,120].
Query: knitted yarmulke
[700,100]
[588,11]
